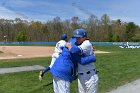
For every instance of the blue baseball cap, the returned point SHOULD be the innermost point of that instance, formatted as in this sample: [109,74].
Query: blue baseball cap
[79,33]
[64,36]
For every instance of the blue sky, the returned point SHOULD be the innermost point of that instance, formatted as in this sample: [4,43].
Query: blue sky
[44,10]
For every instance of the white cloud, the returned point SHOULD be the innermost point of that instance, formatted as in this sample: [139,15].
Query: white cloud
[7,14]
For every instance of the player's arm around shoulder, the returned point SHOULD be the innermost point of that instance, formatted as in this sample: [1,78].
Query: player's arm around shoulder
[73,49]
[87,59]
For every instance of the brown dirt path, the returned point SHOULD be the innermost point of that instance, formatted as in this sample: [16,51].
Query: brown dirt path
[10,52]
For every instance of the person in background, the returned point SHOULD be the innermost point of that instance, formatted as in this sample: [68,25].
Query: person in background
[58,50]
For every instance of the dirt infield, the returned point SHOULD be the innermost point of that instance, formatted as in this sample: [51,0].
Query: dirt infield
[10,52]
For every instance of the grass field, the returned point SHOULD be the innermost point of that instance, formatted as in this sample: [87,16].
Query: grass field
[116,68]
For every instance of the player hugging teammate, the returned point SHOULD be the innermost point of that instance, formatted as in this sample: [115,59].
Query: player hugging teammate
[78,56]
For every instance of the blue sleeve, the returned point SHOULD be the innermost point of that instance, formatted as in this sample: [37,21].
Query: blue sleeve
[75,49]
[46,69]
[87,59]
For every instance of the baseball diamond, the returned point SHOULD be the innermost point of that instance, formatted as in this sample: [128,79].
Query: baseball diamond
[12,52]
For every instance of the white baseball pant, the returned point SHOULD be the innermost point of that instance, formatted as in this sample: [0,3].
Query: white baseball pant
[88,83]
[60,85]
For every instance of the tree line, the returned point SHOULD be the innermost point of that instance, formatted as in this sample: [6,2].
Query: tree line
[103,29]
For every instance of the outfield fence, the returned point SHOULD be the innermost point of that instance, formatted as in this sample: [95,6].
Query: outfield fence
[53,43]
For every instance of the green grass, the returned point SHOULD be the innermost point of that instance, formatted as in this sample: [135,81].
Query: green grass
[24,62]
[117,68]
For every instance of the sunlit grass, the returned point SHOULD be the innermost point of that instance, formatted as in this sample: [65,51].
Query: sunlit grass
[116,68]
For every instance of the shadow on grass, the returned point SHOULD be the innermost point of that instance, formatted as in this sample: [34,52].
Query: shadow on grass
[48,84]
[45,88]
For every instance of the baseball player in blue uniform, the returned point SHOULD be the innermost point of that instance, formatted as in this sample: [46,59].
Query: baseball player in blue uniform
[87,74]
[64,68]
[58,50]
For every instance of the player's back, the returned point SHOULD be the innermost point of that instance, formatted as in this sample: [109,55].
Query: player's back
[59,46]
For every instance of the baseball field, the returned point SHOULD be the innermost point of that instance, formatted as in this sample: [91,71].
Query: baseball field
[116,67]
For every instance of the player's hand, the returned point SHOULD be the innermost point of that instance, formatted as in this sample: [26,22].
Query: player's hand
[41,75]
[69,45]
